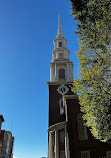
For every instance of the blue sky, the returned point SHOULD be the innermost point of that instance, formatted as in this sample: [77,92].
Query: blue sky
[27,30]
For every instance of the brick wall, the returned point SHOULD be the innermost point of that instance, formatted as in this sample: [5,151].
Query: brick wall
[97,149]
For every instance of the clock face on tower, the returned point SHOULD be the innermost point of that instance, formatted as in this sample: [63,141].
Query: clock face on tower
[62,90]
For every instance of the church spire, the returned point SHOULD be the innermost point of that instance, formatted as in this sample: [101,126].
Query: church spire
[61,68]
[59,25]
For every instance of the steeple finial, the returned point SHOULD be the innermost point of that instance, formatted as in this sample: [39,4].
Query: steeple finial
[59,25]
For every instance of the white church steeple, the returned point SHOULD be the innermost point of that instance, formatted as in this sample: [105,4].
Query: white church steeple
[61,68]
[59,25]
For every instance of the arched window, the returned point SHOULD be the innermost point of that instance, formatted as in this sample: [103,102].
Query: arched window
[60,55]
[82,128]
[60,44]
[61,74]
[61,106]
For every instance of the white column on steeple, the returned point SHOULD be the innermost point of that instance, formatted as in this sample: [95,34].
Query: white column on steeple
[59,25]
[55,70]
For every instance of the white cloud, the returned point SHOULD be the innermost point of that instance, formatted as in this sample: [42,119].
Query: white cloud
[14,157]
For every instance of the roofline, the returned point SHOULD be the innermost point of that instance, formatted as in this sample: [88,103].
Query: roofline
[58,61]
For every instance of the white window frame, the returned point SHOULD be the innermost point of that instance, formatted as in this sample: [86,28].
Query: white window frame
[85,152]
[82,129]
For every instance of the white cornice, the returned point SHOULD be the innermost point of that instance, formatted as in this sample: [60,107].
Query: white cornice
[58,83]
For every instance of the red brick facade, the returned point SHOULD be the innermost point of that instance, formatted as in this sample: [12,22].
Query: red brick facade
[96,148]
[54,108]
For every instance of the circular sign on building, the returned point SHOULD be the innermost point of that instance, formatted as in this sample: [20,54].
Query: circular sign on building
[62,89]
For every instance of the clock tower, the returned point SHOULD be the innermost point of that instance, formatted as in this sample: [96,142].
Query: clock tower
[61,77]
